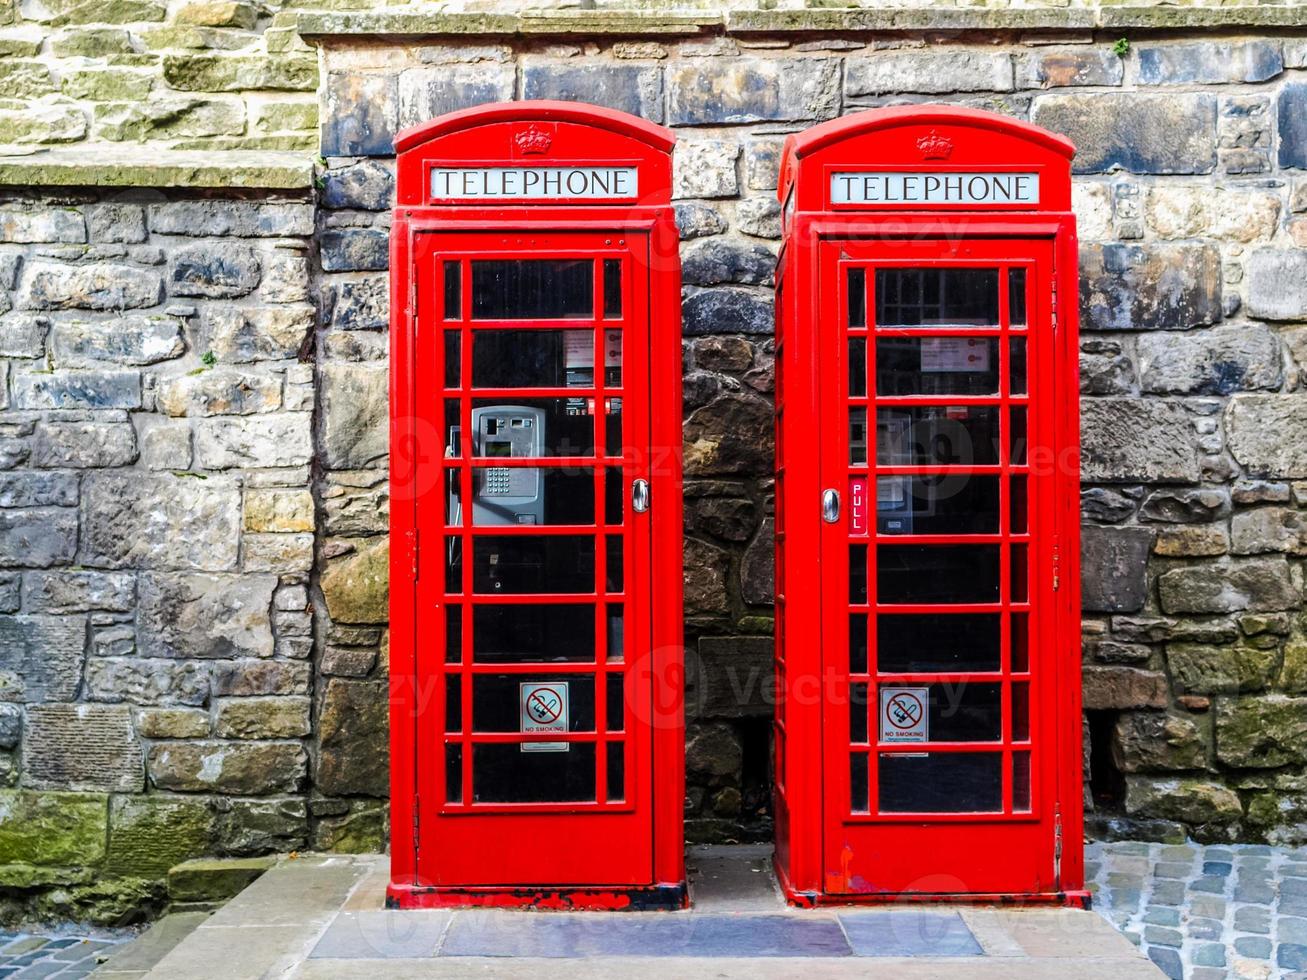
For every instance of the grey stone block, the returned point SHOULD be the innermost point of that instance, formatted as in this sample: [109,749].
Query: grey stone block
[82,747]
[1141,133]
[756,90]
[41,657]
[361,114]
[1153,287]
[1127,440]
[425,93]
[637,89]
[1209,62]
[354,250]
[158,520]
[727,309]
[205,616]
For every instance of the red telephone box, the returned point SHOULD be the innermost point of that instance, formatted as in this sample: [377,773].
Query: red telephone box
[928,659]
[536,709]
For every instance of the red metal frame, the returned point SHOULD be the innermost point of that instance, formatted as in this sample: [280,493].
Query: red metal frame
[824,851]
[621,854]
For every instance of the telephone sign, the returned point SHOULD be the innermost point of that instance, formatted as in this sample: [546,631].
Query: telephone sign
[926,561]
[537,735]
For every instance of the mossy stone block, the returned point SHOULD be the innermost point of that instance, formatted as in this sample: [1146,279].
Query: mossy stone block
[107,85]
[148,835]
[52,828]
[214,879]
[222,73]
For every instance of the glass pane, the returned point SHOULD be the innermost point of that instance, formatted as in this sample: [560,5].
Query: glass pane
[1018,516]
[937,504]
[453,358]
[530,564]
[857,437]
[515,495]
[616,563]
[858,782]
[454,773]
[1021,782]
[614,495]
[616,772]
[937,436]
[1020,712]
[1020,641]
[857,367]
[1017,436]
[453,565]
[616,705]
[507,774]
[616,633]
[453,291]
[858,643]
[964,711]
[938,573]
[1016,297]
[543,632]
[497,700]
[937,366]
[857,297]
[1017,366]
[533,427]
[613,427]
[453,429]
[858,714]
[612,289]
[541,358]
[925,643]
[532,289]
[453,702]
[1020,572]
[857,574]
[936,297]
[941,782]
[453,634]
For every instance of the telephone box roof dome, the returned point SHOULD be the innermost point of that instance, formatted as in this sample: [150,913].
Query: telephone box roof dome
[538,110]
[824,134]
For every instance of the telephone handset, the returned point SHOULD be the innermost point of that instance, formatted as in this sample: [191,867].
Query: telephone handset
[503,494]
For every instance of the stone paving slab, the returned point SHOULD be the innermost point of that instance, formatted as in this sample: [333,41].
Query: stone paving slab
[517,934]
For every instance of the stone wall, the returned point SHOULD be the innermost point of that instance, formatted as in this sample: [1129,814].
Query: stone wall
[193,506]
[1193,216]
[156,544]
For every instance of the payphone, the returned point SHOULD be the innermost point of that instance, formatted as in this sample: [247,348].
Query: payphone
[926,483]
[537,729]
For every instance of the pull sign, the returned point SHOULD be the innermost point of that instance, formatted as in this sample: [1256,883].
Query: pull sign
[934,188]
[533,183]
[542,710]
[903,714]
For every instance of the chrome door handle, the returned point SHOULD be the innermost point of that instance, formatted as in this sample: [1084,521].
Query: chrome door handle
[640,496]
[830,506]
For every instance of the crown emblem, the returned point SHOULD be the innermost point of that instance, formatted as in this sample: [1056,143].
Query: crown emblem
[935,147]
[533,140]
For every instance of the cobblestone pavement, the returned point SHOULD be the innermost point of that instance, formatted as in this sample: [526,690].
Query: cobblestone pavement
[24,955]
[1204,912]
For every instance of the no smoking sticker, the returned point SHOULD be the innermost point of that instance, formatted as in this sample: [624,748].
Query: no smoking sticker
[903,714]
[543,711]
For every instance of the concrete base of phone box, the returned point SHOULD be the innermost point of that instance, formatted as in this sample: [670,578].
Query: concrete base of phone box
[598,898]
[1080,899]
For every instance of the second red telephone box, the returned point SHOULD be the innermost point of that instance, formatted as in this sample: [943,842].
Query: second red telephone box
[537,746]
[927,611]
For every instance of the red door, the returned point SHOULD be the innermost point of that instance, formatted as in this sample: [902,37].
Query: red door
[533,619]
[935,381]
